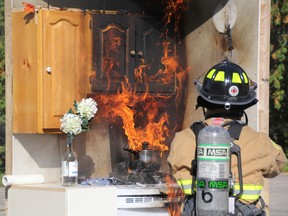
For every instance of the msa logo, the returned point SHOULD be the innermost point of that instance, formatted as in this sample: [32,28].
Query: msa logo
[218,184]
[200,151]
[200,183]
[219,152]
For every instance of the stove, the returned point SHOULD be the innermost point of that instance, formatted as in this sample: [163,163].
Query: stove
[139,197]
[143,199]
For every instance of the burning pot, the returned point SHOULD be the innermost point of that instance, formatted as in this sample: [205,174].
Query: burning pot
[145,160]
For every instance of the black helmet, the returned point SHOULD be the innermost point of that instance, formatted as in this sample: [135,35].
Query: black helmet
[226,85]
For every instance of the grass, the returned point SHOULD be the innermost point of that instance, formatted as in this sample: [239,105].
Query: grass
[1,175]
[285,169]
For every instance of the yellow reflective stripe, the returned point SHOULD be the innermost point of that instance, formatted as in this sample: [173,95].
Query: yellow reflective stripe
[250,192]
[246,80]
[220,76]
[276,145]
[187,191]
[210,74]
[249,187]
[236,78]
[185,182]
[249,197]
[186,185]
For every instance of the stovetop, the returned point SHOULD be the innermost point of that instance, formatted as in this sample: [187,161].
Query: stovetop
[139,177]
[140,195]
[140,189]
[147,180]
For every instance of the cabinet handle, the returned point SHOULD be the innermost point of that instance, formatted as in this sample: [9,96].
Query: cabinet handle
[140,54]
[49,69]
[132,52]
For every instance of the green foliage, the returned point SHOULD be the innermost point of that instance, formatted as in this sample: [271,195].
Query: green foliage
[2,32]
[285,169]
[279,73]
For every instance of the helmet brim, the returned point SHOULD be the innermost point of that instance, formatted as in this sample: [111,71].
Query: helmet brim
[232,101]
[207,104]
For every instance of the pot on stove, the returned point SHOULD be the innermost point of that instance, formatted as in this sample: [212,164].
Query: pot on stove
[148,159]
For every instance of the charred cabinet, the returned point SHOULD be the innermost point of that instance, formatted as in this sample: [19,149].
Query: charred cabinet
[130,51]
[48,68]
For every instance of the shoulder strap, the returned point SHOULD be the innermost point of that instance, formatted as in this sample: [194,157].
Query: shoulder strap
[234,128]
[196,127]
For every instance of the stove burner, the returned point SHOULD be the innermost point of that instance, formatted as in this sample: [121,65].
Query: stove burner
[123,173]
[142,178]
[140,190]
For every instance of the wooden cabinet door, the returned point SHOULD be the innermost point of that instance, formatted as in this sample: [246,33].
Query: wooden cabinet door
[113,47]
[24,66]
[61,51]
[149,42]
[130,47]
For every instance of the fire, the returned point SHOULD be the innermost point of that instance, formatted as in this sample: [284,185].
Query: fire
[139,114]
[175,196]
[29,7]
[111,55]
[143,114]
[172,13]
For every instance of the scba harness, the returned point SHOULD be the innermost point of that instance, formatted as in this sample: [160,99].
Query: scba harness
[240,209]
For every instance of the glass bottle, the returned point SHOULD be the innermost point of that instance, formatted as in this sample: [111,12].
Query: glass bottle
[69,165]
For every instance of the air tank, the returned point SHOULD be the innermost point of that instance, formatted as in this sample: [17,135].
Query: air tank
[213,171]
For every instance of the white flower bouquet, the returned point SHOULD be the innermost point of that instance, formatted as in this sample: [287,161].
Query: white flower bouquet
[73,123]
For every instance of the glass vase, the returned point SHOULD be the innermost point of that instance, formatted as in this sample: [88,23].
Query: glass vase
[69,165]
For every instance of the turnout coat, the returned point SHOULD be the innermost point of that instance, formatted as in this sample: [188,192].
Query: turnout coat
[261,158]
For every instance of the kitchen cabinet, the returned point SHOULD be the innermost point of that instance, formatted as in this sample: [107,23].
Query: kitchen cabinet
[48,56]
[112,39]
[129,49]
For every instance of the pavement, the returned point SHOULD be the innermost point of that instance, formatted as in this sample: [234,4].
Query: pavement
[2,201]
[278,196]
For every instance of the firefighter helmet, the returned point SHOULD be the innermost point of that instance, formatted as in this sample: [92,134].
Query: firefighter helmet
[226,84]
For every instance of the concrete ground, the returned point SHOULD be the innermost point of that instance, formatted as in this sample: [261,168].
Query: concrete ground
[2,201]
[278,196]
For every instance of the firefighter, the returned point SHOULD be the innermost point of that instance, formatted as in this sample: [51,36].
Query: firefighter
[224,96]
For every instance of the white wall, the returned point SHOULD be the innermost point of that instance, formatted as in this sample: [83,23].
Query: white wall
[204,48]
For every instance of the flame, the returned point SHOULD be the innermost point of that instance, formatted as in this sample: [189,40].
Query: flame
[175,196]
[133,108]
[111,55]
[144,115]
[28,7]
[172,12]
